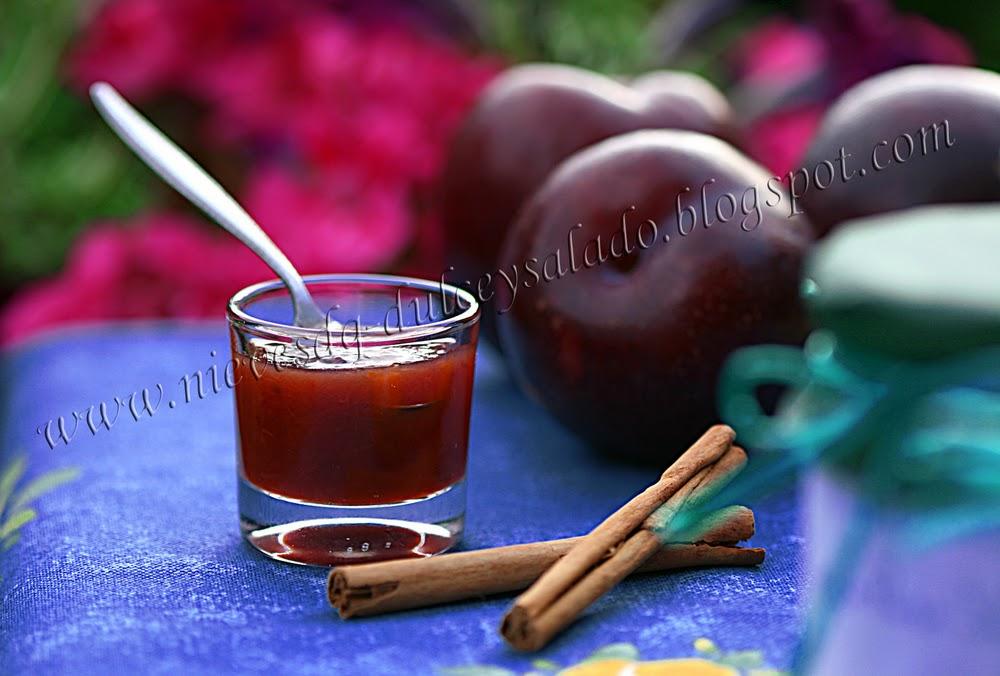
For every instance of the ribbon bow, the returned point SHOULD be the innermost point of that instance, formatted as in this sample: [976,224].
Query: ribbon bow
[924,436]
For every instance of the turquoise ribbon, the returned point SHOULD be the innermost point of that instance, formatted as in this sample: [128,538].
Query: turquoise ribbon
[920,437]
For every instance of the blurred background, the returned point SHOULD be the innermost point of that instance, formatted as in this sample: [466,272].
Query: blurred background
[330,120]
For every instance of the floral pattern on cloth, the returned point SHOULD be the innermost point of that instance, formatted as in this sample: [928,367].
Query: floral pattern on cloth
[622,659]
[17,497]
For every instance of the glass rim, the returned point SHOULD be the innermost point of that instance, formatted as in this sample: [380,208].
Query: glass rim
[237,314]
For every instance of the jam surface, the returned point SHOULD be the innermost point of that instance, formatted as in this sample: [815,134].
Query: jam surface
[388,427]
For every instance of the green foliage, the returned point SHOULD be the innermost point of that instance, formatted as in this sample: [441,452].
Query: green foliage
[59,167]
[605,36]
[977,23]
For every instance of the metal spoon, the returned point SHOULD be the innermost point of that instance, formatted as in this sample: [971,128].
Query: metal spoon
[178,169]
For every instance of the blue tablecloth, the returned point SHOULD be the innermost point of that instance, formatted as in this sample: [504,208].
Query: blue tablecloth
[137,565]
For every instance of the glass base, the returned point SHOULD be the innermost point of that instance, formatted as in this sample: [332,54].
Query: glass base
[333,535]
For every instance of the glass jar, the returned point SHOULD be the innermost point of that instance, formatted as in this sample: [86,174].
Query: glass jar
[352,439]
[892,421]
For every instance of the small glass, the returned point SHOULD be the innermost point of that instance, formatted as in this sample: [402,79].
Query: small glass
[352,439]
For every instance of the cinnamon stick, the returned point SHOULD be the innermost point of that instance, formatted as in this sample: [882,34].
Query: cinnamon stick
[613,530]
[374,588]
[563,592]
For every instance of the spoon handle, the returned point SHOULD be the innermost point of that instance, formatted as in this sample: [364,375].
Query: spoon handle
[178,169]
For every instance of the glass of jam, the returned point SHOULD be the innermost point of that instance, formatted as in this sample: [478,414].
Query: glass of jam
[352,438]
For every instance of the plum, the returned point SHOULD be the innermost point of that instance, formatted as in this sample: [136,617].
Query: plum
[640,264]
[530,119]
[912,136]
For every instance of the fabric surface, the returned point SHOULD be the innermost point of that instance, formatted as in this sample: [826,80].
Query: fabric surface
[138,566]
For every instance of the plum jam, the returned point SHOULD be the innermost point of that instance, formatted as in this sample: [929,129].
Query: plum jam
[350,453]
[383,429]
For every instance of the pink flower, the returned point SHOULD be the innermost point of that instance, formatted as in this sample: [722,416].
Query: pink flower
[339,125]
[780,49]
[119,32]
[789,72]
[779,140]
[383,101]
[148,48]
[333,223]
[163,265]
[260,89]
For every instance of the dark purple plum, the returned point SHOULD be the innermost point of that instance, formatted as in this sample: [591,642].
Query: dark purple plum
[531,118]
[626,352]
[921,135]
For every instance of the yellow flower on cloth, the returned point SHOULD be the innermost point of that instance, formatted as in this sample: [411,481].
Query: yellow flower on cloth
[694,666]
[622,659]
[600,668]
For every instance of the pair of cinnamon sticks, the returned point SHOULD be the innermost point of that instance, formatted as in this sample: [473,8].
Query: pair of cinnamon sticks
[571,573]
[586,573]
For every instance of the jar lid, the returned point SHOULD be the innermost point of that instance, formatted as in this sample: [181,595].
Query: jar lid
[917,284]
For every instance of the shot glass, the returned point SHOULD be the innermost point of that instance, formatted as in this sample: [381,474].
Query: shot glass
[352,439]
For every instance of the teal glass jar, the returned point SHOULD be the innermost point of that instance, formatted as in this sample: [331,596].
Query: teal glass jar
[891,420]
